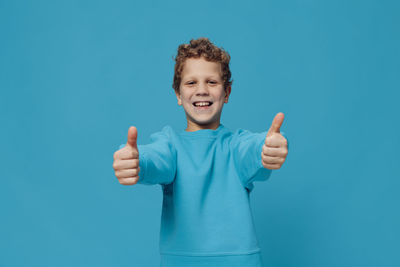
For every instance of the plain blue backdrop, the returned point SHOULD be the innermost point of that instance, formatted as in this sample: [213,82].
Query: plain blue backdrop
[74,75]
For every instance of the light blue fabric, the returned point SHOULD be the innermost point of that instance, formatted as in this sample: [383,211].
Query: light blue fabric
[249,260]
[206,178]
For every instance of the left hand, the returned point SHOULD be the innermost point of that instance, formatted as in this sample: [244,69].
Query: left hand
[275,148]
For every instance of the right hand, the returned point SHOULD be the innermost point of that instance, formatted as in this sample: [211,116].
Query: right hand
[126,160]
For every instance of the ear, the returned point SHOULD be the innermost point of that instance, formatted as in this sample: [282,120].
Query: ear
[227,93]
[178,97]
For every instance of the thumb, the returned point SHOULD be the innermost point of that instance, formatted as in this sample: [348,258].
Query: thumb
[132,137]
[276,124]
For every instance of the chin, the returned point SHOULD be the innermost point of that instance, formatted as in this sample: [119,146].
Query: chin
[204,122]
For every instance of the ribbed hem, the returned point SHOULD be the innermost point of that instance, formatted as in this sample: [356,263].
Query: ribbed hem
[210,254]
[243,260]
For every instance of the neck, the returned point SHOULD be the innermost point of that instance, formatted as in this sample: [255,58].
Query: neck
[192,127]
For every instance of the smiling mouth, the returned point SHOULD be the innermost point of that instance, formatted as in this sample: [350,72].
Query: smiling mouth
[202,104]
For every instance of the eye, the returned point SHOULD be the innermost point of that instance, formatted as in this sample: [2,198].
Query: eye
[212,82]
[191,83]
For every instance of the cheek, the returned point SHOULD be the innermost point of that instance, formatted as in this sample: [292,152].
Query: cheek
[220,94]
[185,96]
[186,101]
[221,98]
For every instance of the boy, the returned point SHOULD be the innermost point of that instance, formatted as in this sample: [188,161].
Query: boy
[207,171]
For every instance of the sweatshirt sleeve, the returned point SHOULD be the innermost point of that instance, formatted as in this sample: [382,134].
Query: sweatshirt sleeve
[247,149]
[157,160]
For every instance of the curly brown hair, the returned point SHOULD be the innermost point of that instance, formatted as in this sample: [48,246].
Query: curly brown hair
[201,47]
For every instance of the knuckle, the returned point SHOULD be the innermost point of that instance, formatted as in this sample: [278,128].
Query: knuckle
[272,166]
[129,180]
[265,165]
[123,182]
[136,162]
[115,165]
[265,160]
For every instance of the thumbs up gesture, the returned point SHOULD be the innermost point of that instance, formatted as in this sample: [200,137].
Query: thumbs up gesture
[126,160]
[275,148]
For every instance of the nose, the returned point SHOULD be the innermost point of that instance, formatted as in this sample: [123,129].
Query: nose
[202,89]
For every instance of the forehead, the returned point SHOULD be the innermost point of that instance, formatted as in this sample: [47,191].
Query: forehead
[200,67]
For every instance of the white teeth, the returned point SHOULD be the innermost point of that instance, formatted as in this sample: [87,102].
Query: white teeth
[201,104]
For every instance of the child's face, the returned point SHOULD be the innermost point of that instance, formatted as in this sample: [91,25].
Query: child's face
[202,82]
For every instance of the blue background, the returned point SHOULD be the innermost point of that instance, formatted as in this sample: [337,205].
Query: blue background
[74,75]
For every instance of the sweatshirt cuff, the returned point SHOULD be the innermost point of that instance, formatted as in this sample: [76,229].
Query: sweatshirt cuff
[143,165]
